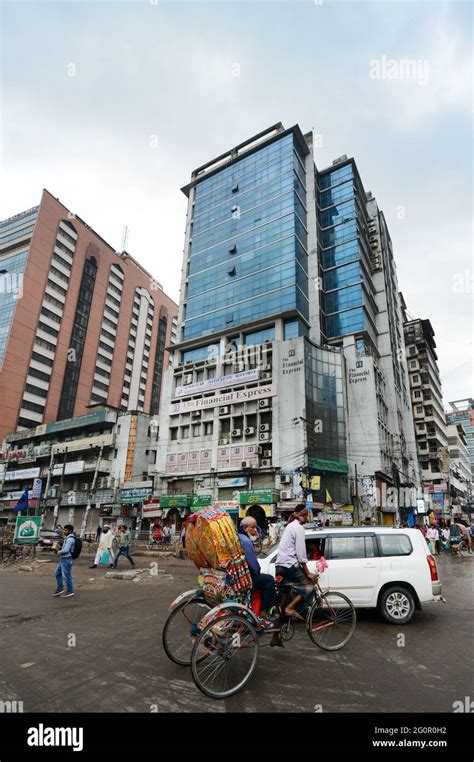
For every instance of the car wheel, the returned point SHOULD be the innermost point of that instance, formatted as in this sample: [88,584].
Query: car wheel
[397,605]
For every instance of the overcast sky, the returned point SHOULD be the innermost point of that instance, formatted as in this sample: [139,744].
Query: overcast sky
[110,105]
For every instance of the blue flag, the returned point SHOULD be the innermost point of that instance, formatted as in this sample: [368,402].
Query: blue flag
[22,504]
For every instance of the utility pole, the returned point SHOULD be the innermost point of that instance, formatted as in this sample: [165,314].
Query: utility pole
[56,507]
[46,490]
[91,491]
[356,502]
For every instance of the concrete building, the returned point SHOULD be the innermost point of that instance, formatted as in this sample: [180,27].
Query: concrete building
[288,369]
[93,469]
[428,411]
[462,411]
[460,475]
[80,323]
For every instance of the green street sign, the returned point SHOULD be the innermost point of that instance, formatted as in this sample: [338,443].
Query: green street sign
[27,530]
[175,501]
[256,497]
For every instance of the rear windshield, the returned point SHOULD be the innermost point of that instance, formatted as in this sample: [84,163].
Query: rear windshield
[394,545]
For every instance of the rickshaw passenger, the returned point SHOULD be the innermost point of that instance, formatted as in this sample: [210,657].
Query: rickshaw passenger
[263,582]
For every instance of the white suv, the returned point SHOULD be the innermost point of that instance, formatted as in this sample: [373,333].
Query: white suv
[384,567]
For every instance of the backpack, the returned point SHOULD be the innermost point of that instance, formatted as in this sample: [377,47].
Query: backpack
[76,551]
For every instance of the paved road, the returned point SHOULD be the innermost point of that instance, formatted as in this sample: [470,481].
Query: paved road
[117,662]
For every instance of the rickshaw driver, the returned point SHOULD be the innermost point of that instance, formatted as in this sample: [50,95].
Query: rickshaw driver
[263,582]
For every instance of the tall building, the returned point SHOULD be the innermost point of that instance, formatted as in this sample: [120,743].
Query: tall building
[288,370]
[428,411]
[460,475]
[80,323]
[361,313]
[462,411]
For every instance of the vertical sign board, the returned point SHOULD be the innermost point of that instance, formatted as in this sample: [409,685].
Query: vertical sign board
[27,530]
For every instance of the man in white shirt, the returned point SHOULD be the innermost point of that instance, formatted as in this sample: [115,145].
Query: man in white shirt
[291,561]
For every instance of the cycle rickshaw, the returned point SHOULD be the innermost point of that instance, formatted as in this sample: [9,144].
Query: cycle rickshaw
[217,631]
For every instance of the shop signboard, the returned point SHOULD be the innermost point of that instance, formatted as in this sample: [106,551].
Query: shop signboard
[25,473]
[236,481]
[200,501]
[27,530]
[338,466]
[100,416]
[257,497]
[175,501]
[134,494]
[74,467]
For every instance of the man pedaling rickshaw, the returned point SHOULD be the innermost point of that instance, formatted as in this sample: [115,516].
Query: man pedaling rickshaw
[291,561]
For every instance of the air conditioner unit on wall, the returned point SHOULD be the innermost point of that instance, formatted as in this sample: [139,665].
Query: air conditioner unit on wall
[264,427]
[236,432]
[266,374]
[223,411]
[264,437]
[246,464]
[224,441]
[286,479]
[188,378]
[285,494]
[267,453]
[250,430]
[266,462]
[196,414]
[264,403]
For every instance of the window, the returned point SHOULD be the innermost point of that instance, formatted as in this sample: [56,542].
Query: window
[347,547]
[47,329]
[39,374]
[36,390]
[418,393]
[416,379]
[173,434]
[208,428]
[413,350]
[31,406]
[196,429]
[419,408]
[394,545]
[40,358]
[413,363]
[184,432]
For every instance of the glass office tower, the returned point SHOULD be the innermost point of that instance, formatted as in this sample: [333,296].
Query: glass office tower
[347,304]
[248,244]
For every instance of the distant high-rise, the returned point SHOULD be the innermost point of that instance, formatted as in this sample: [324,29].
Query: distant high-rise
[462,412]
[289,372]
[80,324]
[427,405]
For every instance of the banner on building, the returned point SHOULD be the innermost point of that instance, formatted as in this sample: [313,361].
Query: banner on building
[217,383]
[231,398]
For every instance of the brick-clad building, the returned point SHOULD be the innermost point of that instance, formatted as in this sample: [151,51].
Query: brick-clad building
[80,324]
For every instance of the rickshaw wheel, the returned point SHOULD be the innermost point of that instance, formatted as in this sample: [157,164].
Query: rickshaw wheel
[224,656]
[180,629]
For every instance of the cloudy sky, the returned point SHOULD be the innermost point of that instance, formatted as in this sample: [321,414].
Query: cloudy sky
[111,104]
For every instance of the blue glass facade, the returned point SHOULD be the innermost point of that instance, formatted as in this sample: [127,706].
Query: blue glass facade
[248,249]
[11,270]
[346,304]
